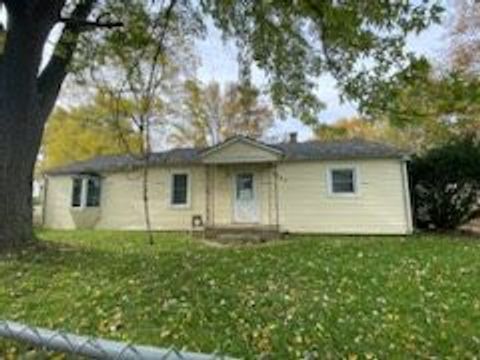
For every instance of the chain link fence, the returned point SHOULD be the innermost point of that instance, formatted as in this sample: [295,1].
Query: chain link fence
[93,348]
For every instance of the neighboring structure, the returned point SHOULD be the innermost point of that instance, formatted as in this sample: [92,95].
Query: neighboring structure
[350,187]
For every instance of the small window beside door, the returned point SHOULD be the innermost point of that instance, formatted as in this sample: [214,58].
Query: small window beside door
[86,191]
[342,181]
[180,190]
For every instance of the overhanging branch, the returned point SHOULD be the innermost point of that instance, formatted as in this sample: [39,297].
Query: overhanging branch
[83,23]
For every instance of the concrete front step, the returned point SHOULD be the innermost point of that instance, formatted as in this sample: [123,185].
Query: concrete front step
[241,234]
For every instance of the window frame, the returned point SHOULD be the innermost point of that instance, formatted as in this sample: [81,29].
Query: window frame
[72,192]
[87,181]
[236,188]
[84,180]
[187,204]
[356,182]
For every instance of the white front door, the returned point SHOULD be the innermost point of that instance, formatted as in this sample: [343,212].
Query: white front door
[245,202]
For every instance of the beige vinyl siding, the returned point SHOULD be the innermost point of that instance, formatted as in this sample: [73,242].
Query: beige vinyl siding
[240,152]
[57,203]
[307,206]
[121,200]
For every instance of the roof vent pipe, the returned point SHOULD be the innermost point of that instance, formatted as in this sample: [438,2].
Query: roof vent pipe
[293,137]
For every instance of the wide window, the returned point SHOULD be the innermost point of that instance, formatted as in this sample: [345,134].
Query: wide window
[86,191]
[179,192]
[343,181]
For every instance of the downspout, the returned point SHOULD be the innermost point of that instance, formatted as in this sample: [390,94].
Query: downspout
[406,194]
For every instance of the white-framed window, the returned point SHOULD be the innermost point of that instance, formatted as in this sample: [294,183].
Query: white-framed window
[86,191]
[343,180]
[180,189]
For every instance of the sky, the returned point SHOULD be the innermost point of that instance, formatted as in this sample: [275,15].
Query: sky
[218,63]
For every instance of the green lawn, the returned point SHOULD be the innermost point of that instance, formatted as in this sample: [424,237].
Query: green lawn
[336,296]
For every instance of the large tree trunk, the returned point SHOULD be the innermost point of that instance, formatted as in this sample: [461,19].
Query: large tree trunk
[27,97]
[15,191]
[21,117]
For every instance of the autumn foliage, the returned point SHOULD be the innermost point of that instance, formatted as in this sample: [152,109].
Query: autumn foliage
[86,131]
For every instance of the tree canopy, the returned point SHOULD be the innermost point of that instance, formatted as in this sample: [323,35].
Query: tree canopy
[207,115]
[465,38]
[295,42]
[411,138]
[86,131]
[441,98]
[292,42]
[422,108]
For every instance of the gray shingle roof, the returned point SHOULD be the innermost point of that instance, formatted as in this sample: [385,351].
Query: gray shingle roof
[110,163]
[337,150]
[311,150]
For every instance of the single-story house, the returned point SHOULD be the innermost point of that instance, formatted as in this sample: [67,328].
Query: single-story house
[346,187]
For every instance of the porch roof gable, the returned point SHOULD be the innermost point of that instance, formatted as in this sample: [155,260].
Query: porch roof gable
[241,149]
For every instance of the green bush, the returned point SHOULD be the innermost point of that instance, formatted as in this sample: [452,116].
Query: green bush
[446,185]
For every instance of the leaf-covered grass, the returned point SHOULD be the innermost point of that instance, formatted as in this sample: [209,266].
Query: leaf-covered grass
[334,296]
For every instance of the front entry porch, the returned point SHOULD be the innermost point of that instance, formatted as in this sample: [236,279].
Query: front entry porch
[242,201]
[241,191]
